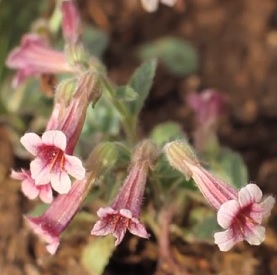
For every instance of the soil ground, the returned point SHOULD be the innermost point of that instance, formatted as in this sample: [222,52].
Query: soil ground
[237,44]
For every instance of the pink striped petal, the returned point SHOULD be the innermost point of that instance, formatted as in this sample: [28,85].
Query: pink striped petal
[55,138]
[18,175]
[74,167]
[226,239]
[255,235]
[61,182]
[46,194]
[251,193]
[227,212]
[40,172]
[31,142]
[267,205]
[29,189]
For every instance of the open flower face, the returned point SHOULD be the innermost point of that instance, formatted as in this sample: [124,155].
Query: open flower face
[242,218]
[117,222]
[51,163]
[240,212]
[123,213]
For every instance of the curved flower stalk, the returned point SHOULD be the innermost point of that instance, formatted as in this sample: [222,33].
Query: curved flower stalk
[50,225]
[51,163]
[34,57]
[30,189]
[123,213]
[152,5]
[240,212]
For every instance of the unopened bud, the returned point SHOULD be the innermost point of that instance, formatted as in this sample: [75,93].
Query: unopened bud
[88,86]
[65,91]
[147,151]
[181,156]
[103,156]
[76,55]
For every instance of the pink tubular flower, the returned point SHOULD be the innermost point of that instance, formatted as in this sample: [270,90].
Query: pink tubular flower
[51,163]
[242,217]
[33,57]
[56,218]
[208,107]
[70,22]
[240,212]
[30,189]
[50,225]
[152,5]
[71,105]
[124,211]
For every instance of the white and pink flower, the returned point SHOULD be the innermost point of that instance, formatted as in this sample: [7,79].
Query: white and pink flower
[51,164]
[242,217]
[123,213]
[240,212]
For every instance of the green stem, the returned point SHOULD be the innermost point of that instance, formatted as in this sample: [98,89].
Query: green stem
[128,122]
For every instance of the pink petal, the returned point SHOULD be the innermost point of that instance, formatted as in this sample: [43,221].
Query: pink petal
[55,138]
[52,248]
[46,194]
[267,205]
[169,3]
[61,182]
[19,78]
[40,173]
[17,175]
[29,189]
[256,213]
[41,227]
[226,240]
[227,212]
[255,235]
[119,234]
[31,141]
[101,228]
[251,193]
[74,167]
[104,211]
[150,5]
[138,229]
[126,213]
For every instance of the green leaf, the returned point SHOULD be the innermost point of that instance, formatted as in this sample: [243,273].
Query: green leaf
[204,230]
[141,82]
[39,210]
[166,131]
[230,166]
[126,93]
[97,253]
[96,40]
[178,55]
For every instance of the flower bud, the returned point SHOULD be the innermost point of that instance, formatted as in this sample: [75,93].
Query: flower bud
[180,154]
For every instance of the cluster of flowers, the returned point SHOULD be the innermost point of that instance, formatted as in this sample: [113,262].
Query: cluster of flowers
[240,212]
